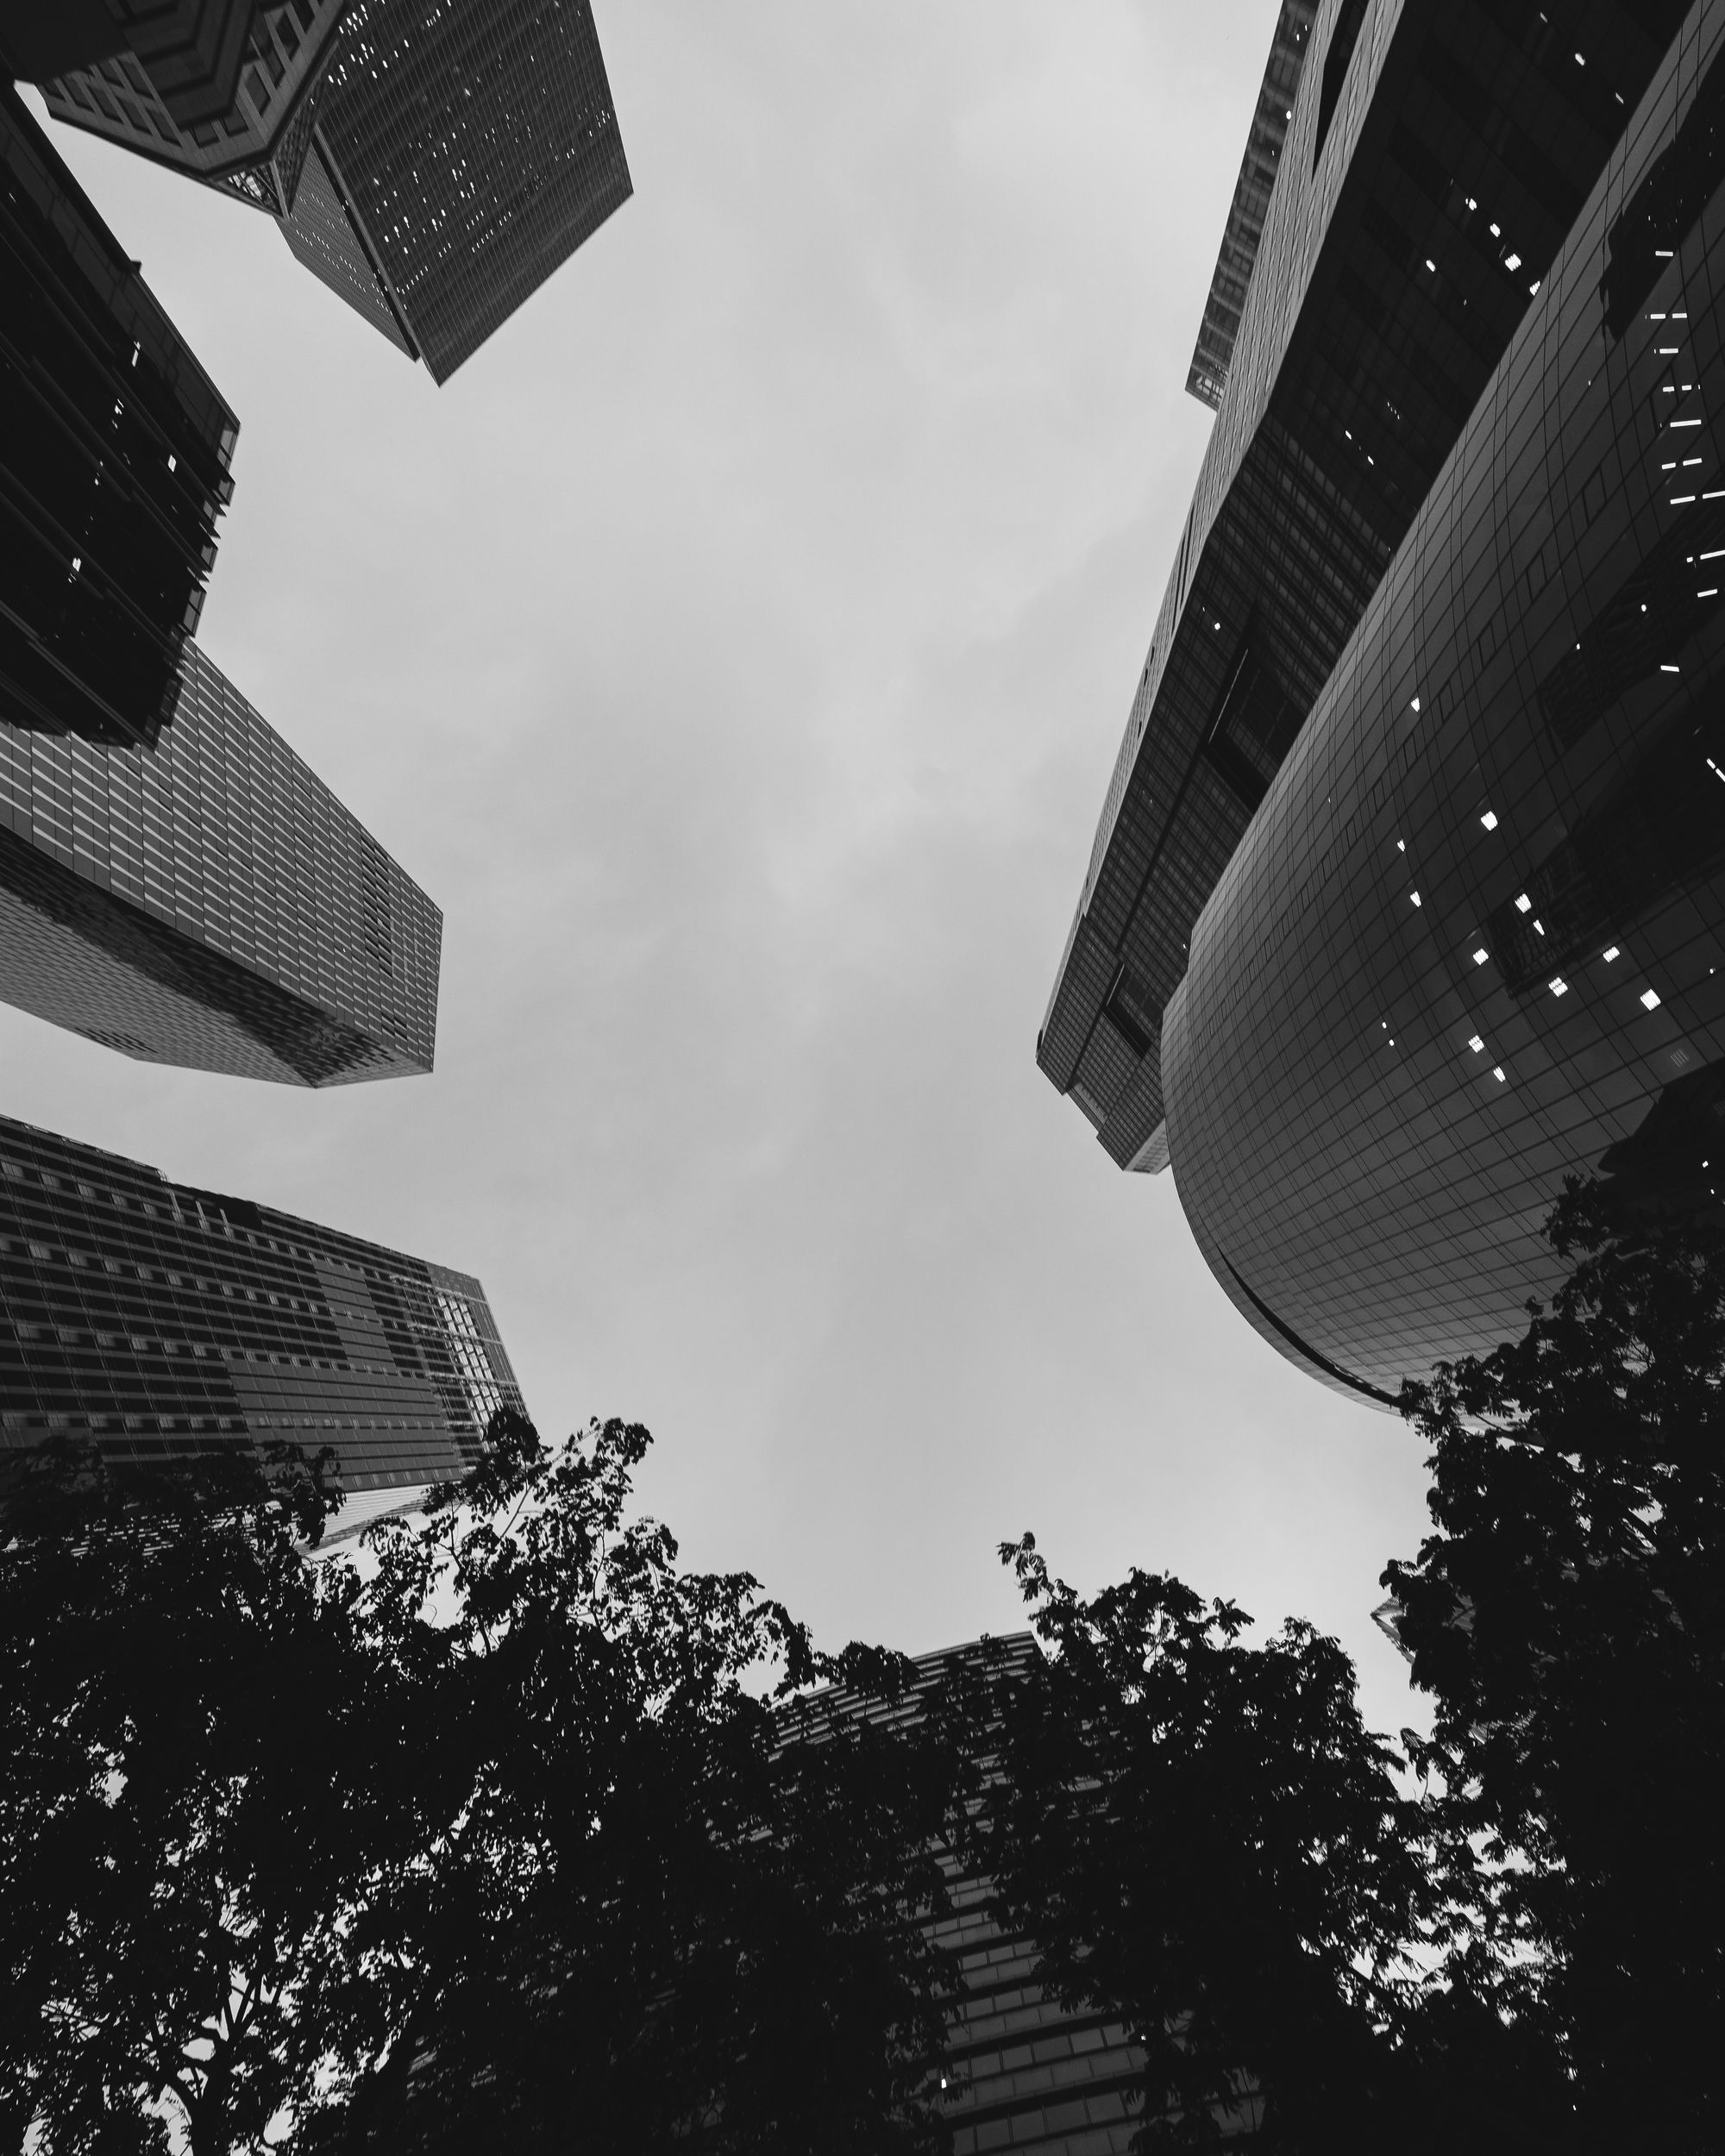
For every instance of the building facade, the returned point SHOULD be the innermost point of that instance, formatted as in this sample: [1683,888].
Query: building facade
[228,97]
[1474,940]
[1440,163]
[1423,134]
[154,1320]
[458,157]
[207,902]
[115,448]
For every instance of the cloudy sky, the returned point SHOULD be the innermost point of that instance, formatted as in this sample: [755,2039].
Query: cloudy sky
[736,650]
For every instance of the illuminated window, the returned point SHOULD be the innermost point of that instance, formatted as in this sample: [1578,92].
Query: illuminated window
[1650,999]
[1490,820]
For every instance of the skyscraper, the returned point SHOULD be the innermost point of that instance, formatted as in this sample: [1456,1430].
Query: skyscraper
[209,902]
[1474,941]
[227,97]
[114,452]
[459,156]
[1442,166]
[156,1320]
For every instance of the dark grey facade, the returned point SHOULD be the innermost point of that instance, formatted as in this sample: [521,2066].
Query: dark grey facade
[1241,237]
[114,447]
[207,902]
[1474,939]
[458,157]
[157,1320]
[1438,155]
[230,102]
[1020,2072]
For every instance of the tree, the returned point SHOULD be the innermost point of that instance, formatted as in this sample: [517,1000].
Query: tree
[189,1741]
[1568,1617]
[1208,1844]
[647,1920]
[503,1844]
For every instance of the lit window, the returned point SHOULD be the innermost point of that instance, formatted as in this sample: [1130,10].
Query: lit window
[1523,903]
[1414,896]
[1612,952]
[1490,820]
[1512,261]
[1557,985]
[1497,1073]
[1471,204]
[1476,1043]
[1498,232]
[1650,999]
[1401,845]
[1431,264]
[1416,705]
[1479,957]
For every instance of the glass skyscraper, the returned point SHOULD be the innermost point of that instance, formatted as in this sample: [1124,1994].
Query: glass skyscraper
[153,1320]
[114,452]
[1438,620]
[209,902]
[458,155]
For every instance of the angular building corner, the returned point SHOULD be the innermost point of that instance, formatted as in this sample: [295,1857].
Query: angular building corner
[155,1320]
[431,165]
[207,902]
[1408,898]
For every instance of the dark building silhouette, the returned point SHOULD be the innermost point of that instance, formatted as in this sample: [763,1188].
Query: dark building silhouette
[114,447]
[1020,2071]
[225,91]
[157,1320]
[458,157]
[209,902]
[1442,547]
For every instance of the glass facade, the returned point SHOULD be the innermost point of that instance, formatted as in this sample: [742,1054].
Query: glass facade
[1244,231]
[463,154]
[238,116]
[1021,2070]
[114,447]
[207,902]
[1474,939]
[1436,159]
[157,1320]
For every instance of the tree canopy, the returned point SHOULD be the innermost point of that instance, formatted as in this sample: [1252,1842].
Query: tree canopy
[502,1843]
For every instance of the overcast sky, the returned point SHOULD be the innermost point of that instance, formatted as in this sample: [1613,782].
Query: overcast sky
[736,650]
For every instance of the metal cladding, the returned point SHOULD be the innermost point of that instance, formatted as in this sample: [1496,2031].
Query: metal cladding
[155,1320]
[1437,157]
[235,111]
[459,156]
[1028,2073]
[1244,232]
[209,902]
[114,452]
[1474,939]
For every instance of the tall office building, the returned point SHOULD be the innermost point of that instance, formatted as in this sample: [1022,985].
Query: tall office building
[1433,556]
[209,902]
[223,91]
[1024,2072]
[156,1320]
[459,156]
[114,452]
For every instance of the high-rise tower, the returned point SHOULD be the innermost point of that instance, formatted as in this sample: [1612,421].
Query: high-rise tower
[209,902]
[1450,178]
[459,156]
[154,1320]
[114,454]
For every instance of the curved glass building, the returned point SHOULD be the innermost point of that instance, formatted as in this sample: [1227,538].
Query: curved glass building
[1376,958]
